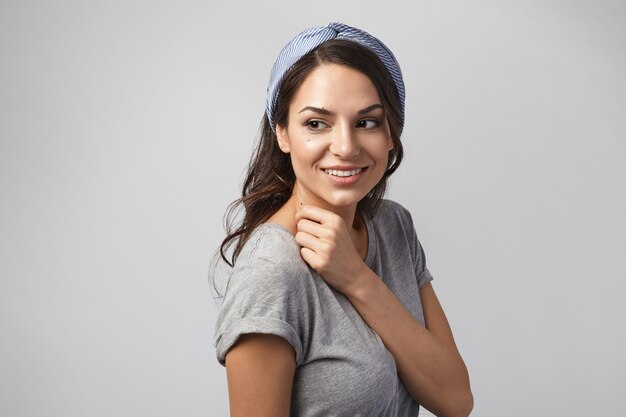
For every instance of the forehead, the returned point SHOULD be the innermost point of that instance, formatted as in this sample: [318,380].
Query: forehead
[336,88]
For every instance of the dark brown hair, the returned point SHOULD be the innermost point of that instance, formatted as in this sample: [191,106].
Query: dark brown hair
[270,177]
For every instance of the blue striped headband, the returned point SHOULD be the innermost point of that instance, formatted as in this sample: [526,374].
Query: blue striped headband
[312,38]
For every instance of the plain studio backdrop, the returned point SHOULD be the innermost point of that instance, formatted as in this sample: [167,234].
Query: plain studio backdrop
[125,129]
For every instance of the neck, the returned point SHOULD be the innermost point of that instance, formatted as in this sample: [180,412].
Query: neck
[347,213]
[285,216]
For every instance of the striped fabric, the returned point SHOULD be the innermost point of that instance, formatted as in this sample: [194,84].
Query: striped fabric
[312,38]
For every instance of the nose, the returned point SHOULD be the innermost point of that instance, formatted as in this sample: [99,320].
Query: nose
[345,143]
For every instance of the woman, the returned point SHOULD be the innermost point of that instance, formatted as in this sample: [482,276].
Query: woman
[329,308]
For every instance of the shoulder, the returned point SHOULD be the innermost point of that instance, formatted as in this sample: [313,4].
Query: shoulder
[268,292]
[392,215]
[270,258]
[394,228]
[273,244]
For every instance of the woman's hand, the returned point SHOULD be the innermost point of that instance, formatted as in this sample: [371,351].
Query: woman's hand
[427,359]
[328,248]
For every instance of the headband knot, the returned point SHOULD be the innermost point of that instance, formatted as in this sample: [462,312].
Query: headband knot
[310,39]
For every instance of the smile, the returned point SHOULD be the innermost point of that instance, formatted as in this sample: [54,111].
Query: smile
[343,173]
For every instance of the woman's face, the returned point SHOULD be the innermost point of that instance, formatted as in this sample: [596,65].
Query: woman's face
[338,137]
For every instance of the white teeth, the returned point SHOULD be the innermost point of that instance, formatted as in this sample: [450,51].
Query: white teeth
[339,173]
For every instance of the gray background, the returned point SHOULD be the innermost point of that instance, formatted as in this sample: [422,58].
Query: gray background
[125,127]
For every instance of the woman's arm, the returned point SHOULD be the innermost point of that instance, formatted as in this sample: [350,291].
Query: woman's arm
[427,359]
[260,370]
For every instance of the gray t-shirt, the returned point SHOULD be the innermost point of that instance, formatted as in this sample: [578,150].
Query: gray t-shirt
[342,366]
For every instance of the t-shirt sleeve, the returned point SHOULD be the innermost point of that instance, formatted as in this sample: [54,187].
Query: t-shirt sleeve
[421,271]
[265,298]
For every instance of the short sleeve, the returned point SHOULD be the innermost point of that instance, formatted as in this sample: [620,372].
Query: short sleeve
[265,298]
[423,277]
[421,271]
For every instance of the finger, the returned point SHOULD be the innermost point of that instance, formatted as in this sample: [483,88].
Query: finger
[316,214]
[311,227]
[309,241]
[310,257]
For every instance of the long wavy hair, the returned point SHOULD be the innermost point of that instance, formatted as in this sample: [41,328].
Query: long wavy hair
[270,177]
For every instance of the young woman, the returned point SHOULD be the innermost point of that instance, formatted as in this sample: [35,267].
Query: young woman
[329,308]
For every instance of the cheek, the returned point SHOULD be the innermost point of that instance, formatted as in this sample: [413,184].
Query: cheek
[307,152]
[380,150]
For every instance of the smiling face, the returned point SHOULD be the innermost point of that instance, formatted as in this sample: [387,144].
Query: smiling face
[338,137]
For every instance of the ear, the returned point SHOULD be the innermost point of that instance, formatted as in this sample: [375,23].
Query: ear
[390,145]
[283,138]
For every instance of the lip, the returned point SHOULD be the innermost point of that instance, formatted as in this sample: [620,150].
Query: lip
[344,167]
[336,180]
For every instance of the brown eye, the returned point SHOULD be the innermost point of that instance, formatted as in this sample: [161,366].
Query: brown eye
[367,123]
[316,124]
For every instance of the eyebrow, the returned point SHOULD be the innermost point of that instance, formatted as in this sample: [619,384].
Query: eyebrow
[327,112]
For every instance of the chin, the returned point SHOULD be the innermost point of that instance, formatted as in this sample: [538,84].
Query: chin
[332,197]
[342,201]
